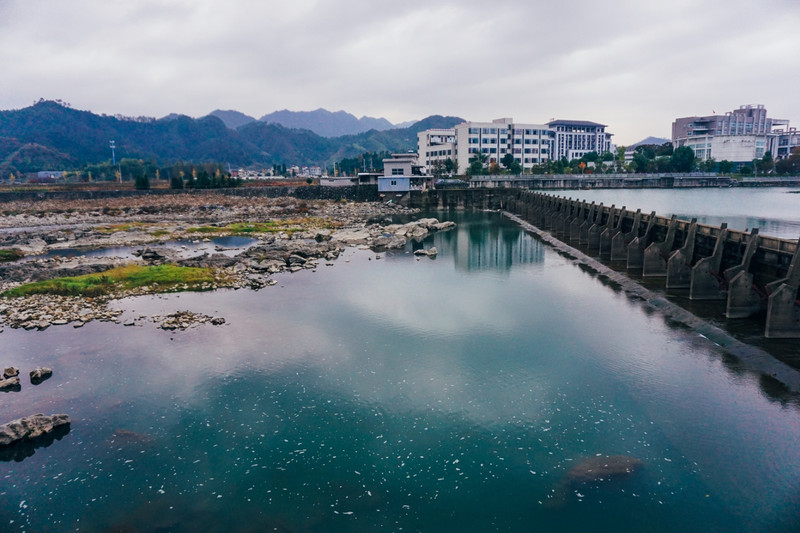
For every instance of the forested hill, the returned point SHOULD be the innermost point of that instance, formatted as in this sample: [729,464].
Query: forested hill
[53,136]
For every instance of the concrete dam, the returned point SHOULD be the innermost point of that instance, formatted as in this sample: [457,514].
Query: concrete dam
[749,274]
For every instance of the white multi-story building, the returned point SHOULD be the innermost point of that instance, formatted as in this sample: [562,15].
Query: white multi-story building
[784,141]
[436,145]
[576,138]
[739,136]
[529,144]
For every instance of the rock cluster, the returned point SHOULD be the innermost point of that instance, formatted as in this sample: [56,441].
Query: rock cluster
[183,320]
[10,378]
[41,311]
[131,222]
[30,427]
[391,236]
[10,381]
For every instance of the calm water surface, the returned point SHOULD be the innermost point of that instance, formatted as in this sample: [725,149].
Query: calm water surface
[451,394]
[775,211]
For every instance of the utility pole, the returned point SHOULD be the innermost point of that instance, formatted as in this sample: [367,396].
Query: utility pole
[113,145]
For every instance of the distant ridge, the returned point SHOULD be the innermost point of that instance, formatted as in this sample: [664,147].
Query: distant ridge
[52,136]
[232,119]
[326,123]
[658,141]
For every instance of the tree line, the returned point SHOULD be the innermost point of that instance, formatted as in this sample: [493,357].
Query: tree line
[646,159]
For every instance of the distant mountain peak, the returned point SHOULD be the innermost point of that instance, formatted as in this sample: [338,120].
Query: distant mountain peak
[327,123]
[658,141]
[232,119]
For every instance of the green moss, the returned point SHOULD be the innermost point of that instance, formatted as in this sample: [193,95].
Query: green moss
[114,228]
[159,233]
[273,226]
[162,278]
[10,254]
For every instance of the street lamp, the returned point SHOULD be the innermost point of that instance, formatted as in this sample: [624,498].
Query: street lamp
[113,145]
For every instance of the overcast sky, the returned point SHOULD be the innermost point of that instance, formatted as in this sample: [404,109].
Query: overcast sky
[634,65]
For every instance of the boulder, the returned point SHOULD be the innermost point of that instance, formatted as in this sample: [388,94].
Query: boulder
[40,374]
[10,372]
[10,384]
[431,252]
[388,242]
[30,427]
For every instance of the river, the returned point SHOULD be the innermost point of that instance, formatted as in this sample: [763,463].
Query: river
[775,211]
[389,393]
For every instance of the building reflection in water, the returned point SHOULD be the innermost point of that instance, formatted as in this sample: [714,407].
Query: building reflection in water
[488,242]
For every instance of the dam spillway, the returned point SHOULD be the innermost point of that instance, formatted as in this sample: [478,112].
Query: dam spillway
[749,274]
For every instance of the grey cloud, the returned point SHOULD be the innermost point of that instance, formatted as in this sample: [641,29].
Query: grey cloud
[632,65]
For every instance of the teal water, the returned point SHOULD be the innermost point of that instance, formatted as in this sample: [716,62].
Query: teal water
[447,394]
[775,211]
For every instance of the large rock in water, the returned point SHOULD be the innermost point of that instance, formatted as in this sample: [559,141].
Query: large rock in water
[30,427]
[592,471]
[602,468]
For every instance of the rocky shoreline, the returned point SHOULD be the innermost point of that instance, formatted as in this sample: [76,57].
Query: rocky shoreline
[305,234]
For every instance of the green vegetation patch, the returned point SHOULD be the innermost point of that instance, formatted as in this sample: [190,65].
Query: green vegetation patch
[273,226]
[10,254]
[114,228]
[161,278]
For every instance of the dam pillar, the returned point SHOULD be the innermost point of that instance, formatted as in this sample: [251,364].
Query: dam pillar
[593,241]
[783,307]
[610,230]
[708,282]
[637,246]
[620,241]
[657,254]
[561,226]
[743,298]
[577,221]
[679,265]
[583,238]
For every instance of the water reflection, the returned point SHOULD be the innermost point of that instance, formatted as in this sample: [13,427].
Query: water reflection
[398,394]
[478,246]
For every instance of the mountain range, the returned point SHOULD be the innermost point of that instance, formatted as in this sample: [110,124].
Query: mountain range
[52,136]
[321,121]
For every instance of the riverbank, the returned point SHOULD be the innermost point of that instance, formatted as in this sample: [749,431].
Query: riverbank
[56,239]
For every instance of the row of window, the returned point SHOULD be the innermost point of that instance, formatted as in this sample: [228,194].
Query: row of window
[504,131]
[476,140]
[439,152]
